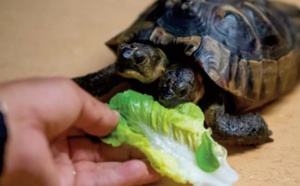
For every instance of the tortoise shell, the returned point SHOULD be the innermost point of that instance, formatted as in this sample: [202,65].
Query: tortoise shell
[250,48]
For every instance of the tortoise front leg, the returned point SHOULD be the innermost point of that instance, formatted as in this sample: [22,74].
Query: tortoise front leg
[101,82]
[247,129]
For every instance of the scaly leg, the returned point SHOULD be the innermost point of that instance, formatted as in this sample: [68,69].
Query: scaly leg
[247,129]
[101,82]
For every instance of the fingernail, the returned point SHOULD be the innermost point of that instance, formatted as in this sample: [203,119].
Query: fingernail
[116,113]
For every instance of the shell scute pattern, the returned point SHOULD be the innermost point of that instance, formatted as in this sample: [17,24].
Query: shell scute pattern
[247,47]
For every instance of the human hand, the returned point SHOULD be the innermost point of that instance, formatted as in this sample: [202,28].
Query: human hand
[47,121]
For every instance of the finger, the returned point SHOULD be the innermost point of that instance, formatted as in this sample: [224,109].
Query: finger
[96,118]
[129,173]
[56,104]
[75,132]
[63,163]
[122,153]
[83,149]
[72,106]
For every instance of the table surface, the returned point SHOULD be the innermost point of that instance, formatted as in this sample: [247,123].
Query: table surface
[66,38]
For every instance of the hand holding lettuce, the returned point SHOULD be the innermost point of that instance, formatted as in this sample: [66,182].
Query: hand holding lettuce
[174,140]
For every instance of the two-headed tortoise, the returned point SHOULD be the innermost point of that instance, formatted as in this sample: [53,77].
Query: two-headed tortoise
[229,57]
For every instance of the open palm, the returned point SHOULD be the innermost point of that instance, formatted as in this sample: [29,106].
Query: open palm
[82,161]
[48,120]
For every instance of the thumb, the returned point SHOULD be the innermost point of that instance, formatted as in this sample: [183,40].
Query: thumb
[96,118]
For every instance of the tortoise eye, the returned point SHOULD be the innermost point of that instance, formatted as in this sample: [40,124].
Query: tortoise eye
[140,56]
[140,59]
[183,92]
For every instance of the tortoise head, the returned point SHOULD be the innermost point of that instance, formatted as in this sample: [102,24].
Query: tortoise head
[180,84]
[139,61]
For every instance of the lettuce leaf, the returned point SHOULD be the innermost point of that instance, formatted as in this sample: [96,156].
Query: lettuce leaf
[175,141]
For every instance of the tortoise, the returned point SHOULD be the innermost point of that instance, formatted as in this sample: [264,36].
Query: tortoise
[229,57]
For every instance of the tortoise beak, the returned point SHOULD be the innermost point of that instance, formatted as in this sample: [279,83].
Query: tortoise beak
[167,97]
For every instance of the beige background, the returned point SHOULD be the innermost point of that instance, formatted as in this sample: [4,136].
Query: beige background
[66,38]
